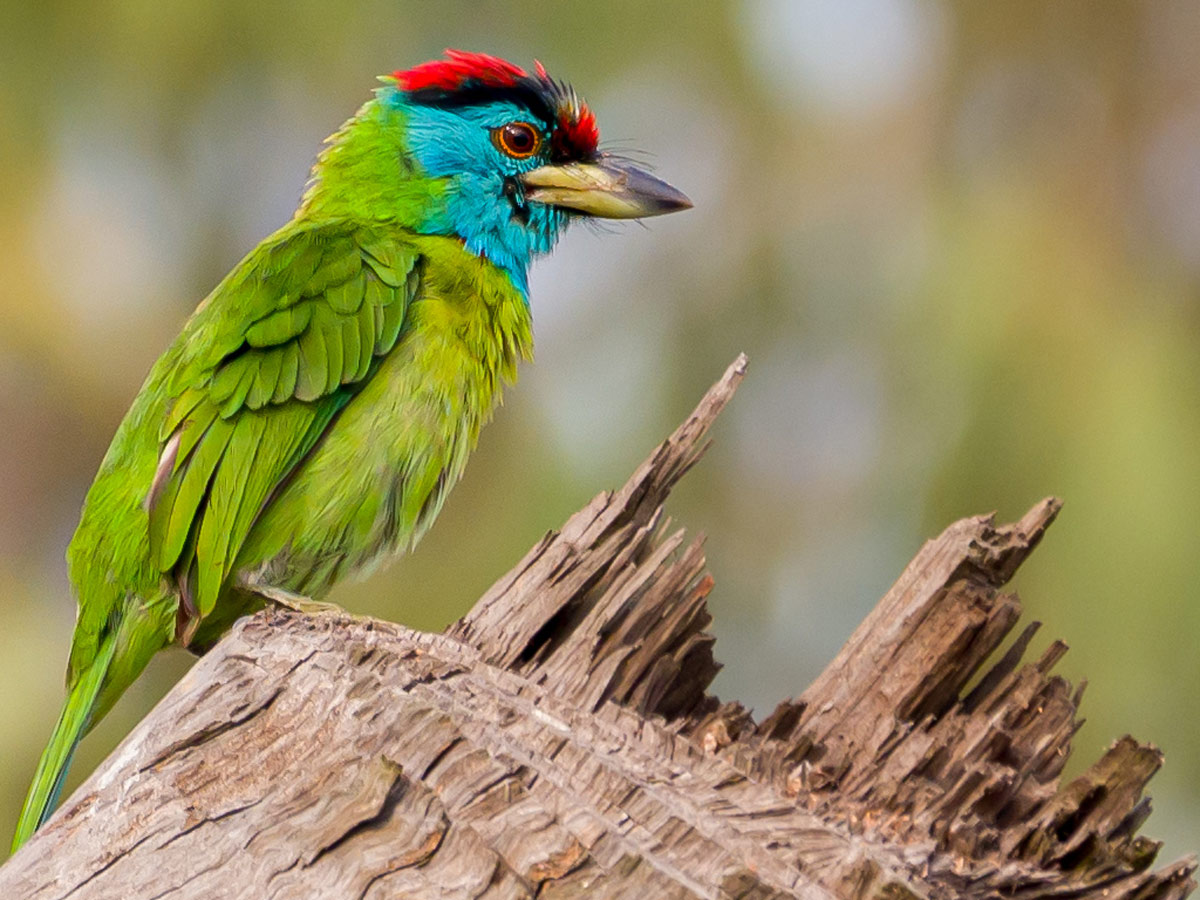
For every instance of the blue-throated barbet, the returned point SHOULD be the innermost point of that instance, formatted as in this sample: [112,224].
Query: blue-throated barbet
[320,402]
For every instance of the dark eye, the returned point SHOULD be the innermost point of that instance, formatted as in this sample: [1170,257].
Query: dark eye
[520,140]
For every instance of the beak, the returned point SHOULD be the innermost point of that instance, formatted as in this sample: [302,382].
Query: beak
[604,188]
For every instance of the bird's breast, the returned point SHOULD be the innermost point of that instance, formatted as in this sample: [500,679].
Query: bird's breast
[377,480]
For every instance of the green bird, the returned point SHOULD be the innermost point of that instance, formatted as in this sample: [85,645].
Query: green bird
[317,406]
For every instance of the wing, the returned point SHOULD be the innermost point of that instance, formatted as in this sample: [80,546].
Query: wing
[275,352]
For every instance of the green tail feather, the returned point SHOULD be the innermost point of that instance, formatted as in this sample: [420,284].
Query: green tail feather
[56,758]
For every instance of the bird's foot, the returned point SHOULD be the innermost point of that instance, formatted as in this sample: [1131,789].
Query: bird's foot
[297,602]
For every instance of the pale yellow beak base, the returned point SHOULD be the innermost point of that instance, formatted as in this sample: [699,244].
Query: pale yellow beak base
[606,189]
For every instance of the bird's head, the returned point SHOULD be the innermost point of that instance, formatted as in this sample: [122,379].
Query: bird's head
[475,147]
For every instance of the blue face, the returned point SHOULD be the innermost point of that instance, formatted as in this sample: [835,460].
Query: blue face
[484,201]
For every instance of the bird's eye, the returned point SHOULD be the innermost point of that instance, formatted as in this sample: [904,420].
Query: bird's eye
[520,140]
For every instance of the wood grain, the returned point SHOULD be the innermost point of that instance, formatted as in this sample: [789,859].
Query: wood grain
[559,742]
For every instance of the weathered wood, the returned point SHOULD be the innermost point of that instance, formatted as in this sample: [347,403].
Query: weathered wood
[559,742]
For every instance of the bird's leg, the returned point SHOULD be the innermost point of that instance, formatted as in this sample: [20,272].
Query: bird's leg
[298,602]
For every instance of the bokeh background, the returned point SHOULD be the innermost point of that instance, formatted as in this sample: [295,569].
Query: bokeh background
[960,243]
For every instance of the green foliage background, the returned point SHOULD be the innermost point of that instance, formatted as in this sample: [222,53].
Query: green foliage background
[960,243]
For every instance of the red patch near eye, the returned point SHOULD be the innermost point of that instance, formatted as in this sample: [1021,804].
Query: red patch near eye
[577,135]
[457,70]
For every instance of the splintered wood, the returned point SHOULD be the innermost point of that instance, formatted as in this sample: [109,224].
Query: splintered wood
[559,742]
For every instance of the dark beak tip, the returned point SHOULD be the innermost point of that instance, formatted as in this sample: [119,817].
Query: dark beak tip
[658,196]
[662,205]
[682,202]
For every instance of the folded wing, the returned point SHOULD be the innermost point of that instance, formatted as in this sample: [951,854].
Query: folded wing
[281,346]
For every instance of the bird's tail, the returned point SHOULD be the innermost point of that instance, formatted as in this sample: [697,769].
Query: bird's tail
[72,724]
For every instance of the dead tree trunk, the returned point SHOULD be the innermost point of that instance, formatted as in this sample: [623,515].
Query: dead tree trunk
[559,742]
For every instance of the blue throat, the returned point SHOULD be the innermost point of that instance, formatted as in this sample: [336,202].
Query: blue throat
[455,144]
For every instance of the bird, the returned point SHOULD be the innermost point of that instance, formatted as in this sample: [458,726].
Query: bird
[313,412]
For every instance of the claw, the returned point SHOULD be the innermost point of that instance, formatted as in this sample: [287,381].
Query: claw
[297,602]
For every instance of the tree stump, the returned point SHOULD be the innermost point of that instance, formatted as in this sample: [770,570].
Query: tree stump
[559,742]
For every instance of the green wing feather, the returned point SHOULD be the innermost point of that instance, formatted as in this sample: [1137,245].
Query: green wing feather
[73,721]
[282,345]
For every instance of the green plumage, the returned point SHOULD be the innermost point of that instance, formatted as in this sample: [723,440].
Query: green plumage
[315,409]
[307,421]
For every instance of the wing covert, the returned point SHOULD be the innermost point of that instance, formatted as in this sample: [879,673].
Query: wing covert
[274,353]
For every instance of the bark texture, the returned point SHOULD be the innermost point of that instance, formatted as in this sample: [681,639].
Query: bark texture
[559,742]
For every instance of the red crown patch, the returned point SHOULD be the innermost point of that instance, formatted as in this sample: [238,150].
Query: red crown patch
[458,70]
[575,134]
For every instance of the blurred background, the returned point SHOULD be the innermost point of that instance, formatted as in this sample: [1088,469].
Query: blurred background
[960,243]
